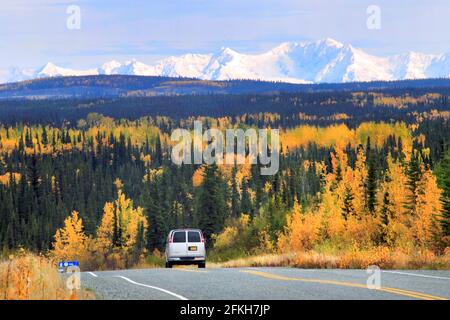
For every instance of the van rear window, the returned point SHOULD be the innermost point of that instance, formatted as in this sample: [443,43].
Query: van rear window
[193,236]
[179,236]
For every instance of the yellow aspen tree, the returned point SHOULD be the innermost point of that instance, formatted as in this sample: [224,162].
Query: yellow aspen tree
[122,232]
[70,241]
[301,231]
[358,184]
[290,240]
[398,230]
[329,212]
[341,155]
[130,219]
[105,231]
[427,209]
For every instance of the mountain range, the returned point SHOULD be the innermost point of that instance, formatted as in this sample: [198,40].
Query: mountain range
[323,61]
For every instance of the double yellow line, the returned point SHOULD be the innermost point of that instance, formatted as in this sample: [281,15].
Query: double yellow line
[407,293]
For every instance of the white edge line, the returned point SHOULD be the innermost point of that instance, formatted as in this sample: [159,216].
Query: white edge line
[417,275]
[93,274]
[152,287]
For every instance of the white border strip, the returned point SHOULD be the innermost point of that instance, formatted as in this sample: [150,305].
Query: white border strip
[93,274]
[152,287]
[417,275]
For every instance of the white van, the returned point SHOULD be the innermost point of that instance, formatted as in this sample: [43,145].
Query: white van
[185,246]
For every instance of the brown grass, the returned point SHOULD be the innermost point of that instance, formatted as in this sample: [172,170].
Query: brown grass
[381,257]
[31,277]
[268,260]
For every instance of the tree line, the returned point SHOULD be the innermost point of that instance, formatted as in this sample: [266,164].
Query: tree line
[107,169]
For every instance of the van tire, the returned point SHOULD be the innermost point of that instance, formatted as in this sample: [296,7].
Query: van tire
[202,265]
[168,265]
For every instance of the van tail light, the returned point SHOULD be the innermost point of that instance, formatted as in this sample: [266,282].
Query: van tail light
[170,239]
[202,238]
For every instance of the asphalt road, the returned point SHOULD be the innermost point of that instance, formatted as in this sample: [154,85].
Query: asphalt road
[265,283]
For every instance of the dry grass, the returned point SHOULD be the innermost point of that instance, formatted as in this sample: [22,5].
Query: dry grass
[268,260]
[31,277]
[155,260]
[383,257]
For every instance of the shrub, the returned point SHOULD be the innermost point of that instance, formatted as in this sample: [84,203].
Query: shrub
[31,277]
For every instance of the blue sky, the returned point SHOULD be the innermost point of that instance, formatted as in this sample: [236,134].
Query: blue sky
[34,32]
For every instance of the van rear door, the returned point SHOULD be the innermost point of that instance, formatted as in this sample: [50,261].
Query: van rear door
[178,246]
[195,245]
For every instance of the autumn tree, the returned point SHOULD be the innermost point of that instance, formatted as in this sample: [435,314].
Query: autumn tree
[70,241]
[428,207]
[301,231]
[122,230]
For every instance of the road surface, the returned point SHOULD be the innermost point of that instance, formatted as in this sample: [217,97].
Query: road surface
[264,283]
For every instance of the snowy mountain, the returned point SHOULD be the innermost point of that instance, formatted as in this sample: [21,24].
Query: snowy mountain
[306,62]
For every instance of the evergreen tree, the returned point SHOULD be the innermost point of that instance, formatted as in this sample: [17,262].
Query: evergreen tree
[44,136]
[348,210]
[443,176]
[211,206]
[385,215]
[413,173]
[371,182]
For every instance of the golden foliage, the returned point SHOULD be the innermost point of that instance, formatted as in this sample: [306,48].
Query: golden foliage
[31,277]
[6,178]
[121,228]
[332,135]
[425,225]
[140,132]
[118,243]
[342,217]
[70,241]
[301,231]
[230,235]
[197,177]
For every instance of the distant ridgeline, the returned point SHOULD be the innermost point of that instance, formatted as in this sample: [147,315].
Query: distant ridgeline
[113,86]
[66,100]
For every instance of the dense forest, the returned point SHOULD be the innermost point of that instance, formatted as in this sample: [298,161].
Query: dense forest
[94,180]
[293,108]
[116,86]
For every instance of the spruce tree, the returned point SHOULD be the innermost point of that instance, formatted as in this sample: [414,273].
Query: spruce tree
[414,174]
[443,176]
[371,182]
[211,205]
[347,209]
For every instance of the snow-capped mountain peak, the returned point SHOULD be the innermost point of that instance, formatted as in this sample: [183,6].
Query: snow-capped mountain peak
[110,67]
[52,70]
[318,61]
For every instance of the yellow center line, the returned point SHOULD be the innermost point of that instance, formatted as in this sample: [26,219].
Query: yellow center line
[401,292]
[190,270]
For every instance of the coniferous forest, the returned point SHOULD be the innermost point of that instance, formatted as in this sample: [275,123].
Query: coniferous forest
[364,178]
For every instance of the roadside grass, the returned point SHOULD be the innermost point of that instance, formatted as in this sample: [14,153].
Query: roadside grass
[382,257]
[27,276]
[154,260]
[266,260]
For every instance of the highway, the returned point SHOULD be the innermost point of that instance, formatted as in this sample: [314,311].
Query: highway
[264,284]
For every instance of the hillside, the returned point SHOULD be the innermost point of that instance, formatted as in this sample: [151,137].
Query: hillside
[111,86]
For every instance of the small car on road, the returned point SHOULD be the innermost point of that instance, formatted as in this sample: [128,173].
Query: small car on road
[185,246]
